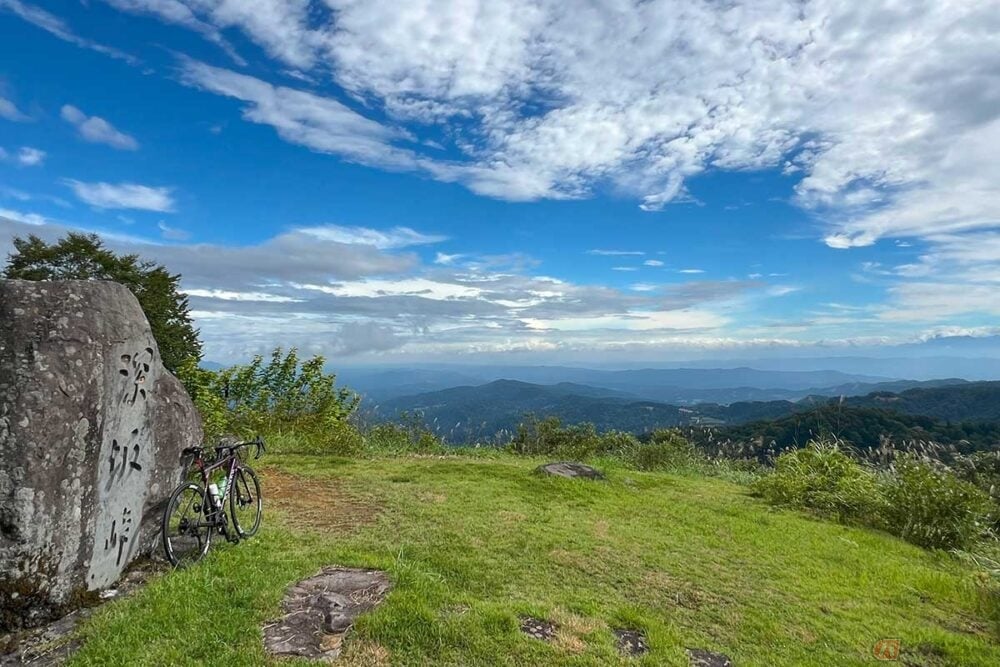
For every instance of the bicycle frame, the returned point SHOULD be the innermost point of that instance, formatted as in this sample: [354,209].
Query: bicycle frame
[206,472]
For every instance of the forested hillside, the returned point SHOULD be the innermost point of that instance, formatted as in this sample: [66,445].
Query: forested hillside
[972,401]
[952,413]
[859,426]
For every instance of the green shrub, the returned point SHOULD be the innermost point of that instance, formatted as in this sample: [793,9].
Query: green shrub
[337,439]
[294,404]
[665,449]
[618,444]
[824,479]
[934,508]
[739,471]
[981,469]
[202,386]
[548,437]
[408,435]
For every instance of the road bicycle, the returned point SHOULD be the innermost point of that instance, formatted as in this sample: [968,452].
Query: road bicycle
[196,511]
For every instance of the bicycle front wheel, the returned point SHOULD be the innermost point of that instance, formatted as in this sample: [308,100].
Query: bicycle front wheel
[187,530]
[245,503]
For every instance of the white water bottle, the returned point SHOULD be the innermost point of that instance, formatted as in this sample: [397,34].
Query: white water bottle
[213,490]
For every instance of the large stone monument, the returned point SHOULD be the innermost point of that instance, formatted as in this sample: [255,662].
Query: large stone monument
[91,432]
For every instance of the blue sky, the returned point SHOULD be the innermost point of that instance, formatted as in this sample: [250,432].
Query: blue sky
[467,180]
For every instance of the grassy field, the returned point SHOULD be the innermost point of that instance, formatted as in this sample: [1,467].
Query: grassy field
[472,543]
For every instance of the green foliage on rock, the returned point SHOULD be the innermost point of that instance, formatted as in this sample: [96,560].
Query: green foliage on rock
[84,257]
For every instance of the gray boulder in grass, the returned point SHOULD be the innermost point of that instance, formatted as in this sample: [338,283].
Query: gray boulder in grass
[91,432]
[570,469]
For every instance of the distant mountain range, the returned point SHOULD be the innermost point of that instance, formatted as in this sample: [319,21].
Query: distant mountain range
[681,386]
[480,412]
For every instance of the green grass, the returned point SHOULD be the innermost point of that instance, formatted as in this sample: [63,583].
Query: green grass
[471,543]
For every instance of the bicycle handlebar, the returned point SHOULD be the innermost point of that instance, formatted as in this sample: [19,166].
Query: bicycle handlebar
[220,450]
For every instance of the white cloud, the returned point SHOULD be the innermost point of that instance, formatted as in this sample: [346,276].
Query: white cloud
[9,111]
[320,123]
[934,301]
[54,25]
[173,233]
[396,237]
[30,157]
[691,271]
[26,218]
[615,253]
[420,287]
[888,114]
[624,268]
[327,292]
[124,195]
[97,130]
[179,13]
[635,321]
[230,295]
[642,287]
[653,262]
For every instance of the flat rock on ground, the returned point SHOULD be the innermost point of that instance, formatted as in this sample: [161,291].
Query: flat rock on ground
[631,642]
[570,469]
[538,628]
[319,611]
[701,658]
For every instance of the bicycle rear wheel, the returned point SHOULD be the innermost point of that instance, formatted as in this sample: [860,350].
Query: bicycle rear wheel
[245,503]
[187,531]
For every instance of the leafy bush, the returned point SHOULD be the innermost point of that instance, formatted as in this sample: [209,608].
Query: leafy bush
[337,439]
[934,508]
[617,443]
[981,469]
[292,403]
[548,437]
[665,449]
[824,479]
[408,435]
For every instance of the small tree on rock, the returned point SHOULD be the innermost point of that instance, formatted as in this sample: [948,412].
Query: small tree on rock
[84,257]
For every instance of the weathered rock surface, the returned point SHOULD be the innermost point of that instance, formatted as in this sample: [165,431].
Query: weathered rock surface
[571,470]
[321,609]
[699,657]
[91,432]
[538,628]
[631,643]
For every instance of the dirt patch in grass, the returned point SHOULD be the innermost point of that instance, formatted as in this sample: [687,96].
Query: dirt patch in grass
[679,592]
[364,654]
[316,504]
[572,630]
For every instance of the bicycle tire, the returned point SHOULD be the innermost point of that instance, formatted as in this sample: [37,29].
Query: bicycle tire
[201,533]
[245,495]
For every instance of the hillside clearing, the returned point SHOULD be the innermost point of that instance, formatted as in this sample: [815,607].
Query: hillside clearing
[472,544]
